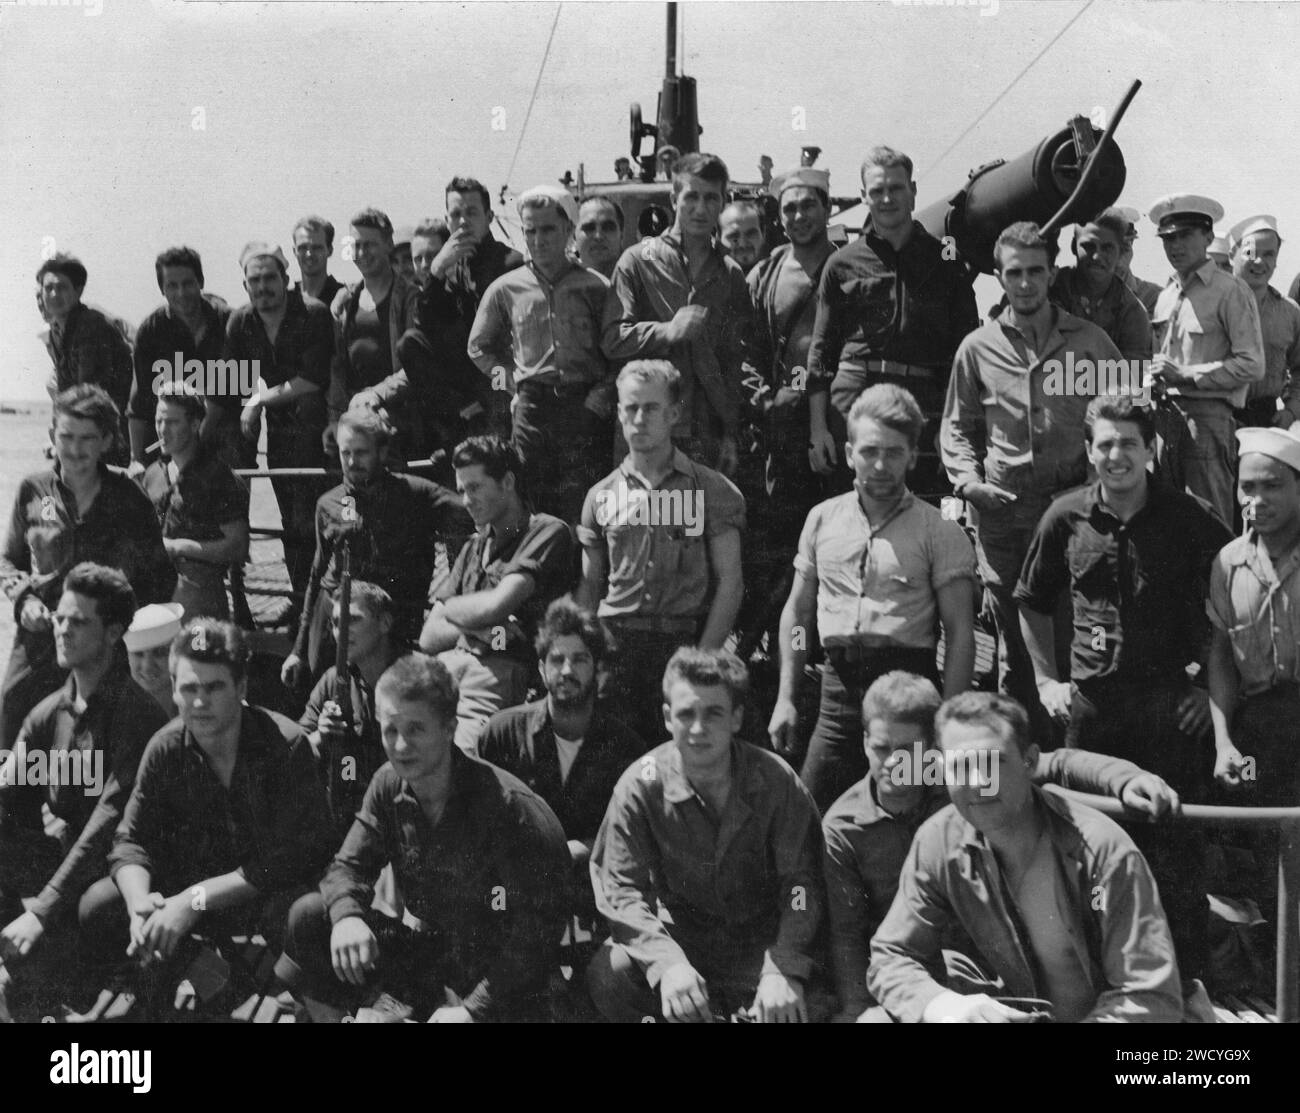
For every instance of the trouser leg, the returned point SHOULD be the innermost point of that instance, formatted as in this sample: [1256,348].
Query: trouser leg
[33,673]
[1197,450]
[564,448]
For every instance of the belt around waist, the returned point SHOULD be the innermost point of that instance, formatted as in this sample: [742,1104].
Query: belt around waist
[543,391]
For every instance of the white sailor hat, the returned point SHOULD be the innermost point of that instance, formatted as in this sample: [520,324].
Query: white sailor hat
[1243,228]
[403,233]
[1132,216]
[153,625]
[258,249]
[1178,211]
[803,176]
[1219,246]
[554,195]
[1281,444]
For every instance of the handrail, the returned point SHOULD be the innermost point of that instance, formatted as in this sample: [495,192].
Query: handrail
[1287,822]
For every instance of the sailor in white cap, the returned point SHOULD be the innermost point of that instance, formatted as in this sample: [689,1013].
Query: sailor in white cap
[1220,253]
[1255,243]
[1208,350]
[147,641]
[783,288]
[1146,292]
[289,340]
[1254,664]
[537,334]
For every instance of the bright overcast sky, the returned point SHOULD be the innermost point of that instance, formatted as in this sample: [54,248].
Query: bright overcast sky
[331,107]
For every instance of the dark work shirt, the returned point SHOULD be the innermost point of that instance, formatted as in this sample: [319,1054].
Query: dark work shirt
[329,291]
[206,496]
[304,347]
[490,879]
[1138,587]
[161,336]
[184,826]
[912,306]
[453,302]
[521,740]
[47,537]
[90,348]
[393,525]
[116,723]
[543,551]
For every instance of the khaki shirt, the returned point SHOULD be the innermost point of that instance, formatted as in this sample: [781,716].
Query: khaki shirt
[1257,604]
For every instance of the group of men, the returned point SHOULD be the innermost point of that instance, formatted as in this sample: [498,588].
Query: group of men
[652,450]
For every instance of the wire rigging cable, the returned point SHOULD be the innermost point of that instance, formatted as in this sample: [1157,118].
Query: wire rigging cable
[996,100]
[536,85]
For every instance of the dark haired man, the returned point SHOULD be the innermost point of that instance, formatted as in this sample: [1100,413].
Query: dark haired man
[202,506]
[879,572]
[313,244]
[568,747]
[77,510]
[377,312]
[426,241]
[679,297]
[485,614]
[86,345]
[479,858]
[1135,556]
[226,824]
[707,866]
[392,524]
[740,232]
[1091,289]
[786,479]
[598,237]
[88,737]
[451,391]
[191,325]
[1010,438]
[891,307]
[1041,897]
[291,340]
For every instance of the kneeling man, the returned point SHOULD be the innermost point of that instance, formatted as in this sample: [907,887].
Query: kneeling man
[1046,899]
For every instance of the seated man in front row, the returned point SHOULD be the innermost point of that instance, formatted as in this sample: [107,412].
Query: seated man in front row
[225,826]
[1048,899]
[480,859]
[869,829]
[707,866]
[569,747]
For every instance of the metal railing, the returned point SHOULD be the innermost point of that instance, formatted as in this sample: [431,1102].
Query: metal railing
[1287,823]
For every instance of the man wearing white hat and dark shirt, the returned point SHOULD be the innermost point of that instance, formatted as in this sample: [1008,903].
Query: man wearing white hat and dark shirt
[1255,244]
[537,334]
[147,641]
[1208,350]
[1254,605]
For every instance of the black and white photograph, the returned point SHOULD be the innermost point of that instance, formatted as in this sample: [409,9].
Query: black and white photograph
[592,512]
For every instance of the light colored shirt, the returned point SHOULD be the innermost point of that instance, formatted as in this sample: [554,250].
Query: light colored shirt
[657,538]
[877,585]
[1279,323]
[1208,323]
[539,330]
[1001,426]
[566,750]
[1256,602]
